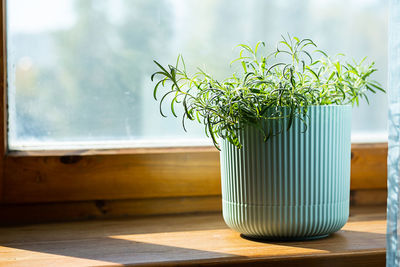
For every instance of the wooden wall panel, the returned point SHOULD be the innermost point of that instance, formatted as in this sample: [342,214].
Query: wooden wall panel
[369,166]
[12,214]
[368,197]
[47,179]
[191,173]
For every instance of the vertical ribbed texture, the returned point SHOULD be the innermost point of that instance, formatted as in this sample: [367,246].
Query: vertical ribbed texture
[296,185]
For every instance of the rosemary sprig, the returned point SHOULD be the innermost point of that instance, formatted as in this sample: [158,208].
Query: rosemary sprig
[278,85]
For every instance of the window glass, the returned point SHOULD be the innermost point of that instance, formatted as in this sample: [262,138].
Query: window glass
[79,70]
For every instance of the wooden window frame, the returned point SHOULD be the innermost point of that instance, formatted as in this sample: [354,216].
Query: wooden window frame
[86,175]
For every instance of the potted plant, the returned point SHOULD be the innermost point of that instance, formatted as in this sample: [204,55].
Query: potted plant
[283,127]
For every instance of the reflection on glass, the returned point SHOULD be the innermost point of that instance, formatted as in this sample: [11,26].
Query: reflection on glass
[79,70]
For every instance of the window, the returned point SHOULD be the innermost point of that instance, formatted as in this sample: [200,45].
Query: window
[46,156]
[79,70]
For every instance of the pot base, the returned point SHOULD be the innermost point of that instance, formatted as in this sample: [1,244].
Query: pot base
[290,222]
[284,239]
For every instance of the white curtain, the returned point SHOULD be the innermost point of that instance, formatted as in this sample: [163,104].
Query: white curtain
[392,256]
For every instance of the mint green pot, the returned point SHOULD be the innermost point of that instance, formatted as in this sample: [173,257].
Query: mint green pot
[294,186]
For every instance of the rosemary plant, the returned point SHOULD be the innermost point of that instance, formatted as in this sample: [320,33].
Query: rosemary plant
[277,85]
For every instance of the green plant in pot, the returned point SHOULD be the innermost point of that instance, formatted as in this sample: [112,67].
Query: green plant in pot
[283,127]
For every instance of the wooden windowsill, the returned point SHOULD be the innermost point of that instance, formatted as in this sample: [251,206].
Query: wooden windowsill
[188,240]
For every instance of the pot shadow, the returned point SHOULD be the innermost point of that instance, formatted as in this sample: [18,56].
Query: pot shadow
[343,240]
[115,251]
[281,240]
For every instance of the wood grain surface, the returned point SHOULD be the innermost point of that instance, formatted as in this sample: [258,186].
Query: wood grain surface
[187,240]
[18,214]
[369,166]
[133,176]
[75,178]
[361,197]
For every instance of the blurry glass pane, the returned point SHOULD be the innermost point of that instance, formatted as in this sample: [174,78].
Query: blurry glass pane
[79,70]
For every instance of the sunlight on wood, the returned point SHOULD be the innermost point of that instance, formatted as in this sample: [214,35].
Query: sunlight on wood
[221,241]
[182,239]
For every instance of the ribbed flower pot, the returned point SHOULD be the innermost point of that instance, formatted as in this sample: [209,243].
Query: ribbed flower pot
[294,186]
